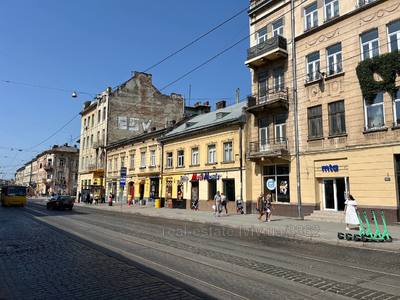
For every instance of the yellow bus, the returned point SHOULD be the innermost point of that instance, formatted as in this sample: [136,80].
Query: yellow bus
[13,195]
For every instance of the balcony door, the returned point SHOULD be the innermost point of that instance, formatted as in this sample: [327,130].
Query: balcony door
[280,128]
[263,134]
[262,87]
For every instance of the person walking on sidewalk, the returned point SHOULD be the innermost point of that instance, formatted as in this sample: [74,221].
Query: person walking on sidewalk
[260,206]
[224,203]
[217,204]
[268,208]
[350,210]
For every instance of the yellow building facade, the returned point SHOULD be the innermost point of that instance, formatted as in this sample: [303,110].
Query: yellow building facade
[205,155]
[141,156]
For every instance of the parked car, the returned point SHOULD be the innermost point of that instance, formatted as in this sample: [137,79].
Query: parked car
[60,202]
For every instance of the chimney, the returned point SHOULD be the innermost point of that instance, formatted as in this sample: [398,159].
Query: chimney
[220,104]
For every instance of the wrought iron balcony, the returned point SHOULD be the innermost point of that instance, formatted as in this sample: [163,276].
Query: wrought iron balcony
[270,148]
[272,49]
[272,99]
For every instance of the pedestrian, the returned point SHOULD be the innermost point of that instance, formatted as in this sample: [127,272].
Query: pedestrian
[224,203]
[260,206]
[268,207]
[110,199]
[79,197]
[350,210]
[217,204]
[87,198]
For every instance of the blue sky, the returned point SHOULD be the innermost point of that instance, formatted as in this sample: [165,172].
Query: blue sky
[88,45]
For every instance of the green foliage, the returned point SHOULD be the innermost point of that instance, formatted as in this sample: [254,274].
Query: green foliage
[387,66]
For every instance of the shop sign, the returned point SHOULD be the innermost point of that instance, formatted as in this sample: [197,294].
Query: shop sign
[122,180]
[330,168]
[205,176]
[271,184]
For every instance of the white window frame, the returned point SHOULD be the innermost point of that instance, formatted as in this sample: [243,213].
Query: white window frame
[278,31]
[315,70]
[373,105]
[278,80]
[261,38]
[313,17]
[396,100]
[369,43]
[397,33]
[335,61]
[181,158]
[170,159]
[228,151]
[143,159]
[195,156]
[212,154]
[332,7]
[152,158]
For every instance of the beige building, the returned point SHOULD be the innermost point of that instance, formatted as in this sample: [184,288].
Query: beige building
[141,156]
[204,155]
[348,131]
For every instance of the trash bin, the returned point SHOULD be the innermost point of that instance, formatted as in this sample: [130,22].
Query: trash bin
[157,203]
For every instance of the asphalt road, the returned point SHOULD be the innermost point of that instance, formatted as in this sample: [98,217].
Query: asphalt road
[93,254]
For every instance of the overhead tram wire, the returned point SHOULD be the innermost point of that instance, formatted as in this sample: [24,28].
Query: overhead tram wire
[195,40]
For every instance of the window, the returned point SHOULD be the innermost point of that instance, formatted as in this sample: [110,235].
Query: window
[181,158]
[92,120]
[334,59]
[279,84]
[394,36]
[315,122]
[279,175]
[152,158]
[262,87]
[277,27]
[115,164]
[336,114]
[397,108]
[99,116]
[280,128]
[311,16]
[169,159]
[313,64]
[109,164]
[88,123]
[132,161]
[261,35]
[104,113]
[331,9]
[91,140]
[374,112]
[104,136]
[369,44]
[195,156]
[62,163]
[122,161]
[228,151]
[143,159]
[98,137]
[212,154]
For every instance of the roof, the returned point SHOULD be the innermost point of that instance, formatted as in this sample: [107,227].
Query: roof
[230,114]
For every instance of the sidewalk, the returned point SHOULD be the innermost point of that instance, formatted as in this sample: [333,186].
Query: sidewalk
[292,228]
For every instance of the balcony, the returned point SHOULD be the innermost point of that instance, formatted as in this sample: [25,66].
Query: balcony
[271,148]
[273,99]
[98,144]
[272,49]
[257,4]
[48,167]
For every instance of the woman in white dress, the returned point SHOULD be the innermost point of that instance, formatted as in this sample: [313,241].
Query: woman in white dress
[351,214]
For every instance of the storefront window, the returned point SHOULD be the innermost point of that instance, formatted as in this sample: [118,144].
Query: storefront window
[276,181]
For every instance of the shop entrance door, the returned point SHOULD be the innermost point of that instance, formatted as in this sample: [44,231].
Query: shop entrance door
[334,191]
[195,195]
[141,191]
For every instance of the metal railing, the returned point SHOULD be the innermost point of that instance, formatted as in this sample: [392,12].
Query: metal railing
[268,146]
[276,42]
[271,95]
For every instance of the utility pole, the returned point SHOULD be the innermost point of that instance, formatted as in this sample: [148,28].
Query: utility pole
[296,112]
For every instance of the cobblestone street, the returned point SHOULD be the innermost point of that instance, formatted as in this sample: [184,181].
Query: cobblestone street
[92,254]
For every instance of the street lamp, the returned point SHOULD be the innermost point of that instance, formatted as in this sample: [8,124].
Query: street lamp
[74,94]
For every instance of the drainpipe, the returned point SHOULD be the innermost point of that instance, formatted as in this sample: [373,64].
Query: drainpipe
[241,160]
[161,171]
[296,112]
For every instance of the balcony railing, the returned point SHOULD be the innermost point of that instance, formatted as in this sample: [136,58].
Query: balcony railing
[271,49]
[273,98]
[277,147]
[256,4]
